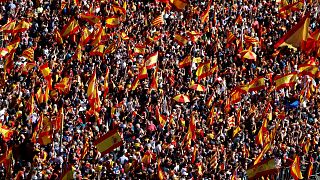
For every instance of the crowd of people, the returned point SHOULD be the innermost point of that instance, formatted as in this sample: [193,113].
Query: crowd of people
[150,147]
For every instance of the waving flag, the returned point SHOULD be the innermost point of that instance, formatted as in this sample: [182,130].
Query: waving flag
[13,45]
[306,69]
[22,26]
[113,21]
[154,82]
[179,4]
[86,35]
[262,134]
[29,54]
[78,53]
[91,85]
[205,15]
[100,35]
[9,63]
[297,35]
[97,51]
[203,70]
[287,80]
[262,153]
[106,83]
[158,21]
[143,73]
[152,60]
[181,40]
[250,40]
[6,133]
[108,142]
[118,9]
[264,168]
[257,84]
[57,36]
[295,168]
[9,27]
[185,62]
[70,28]
[90,18]
[161,118]
[230,37]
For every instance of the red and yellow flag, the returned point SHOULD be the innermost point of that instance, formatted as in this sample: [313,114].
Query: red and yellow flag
[45,70]
[22,26]
[205,15]
[63,85]
[236,95]
[68,174]
[91,85]
[158,21]
[113,21]
[160,171]
[143,73]
[262,134]
[257,84]
[13,45]
[29,54]
[106,83]
[70,28]
[108,142]
[187,61]
[262,153]
[295,168]
[8,65]
[250,40]
[297,35]
[152,60]
[179,4]
[230,37]
[118,9]
[191,132]
[181,40]
[203,70]
[90,18]
[57,36]
[154,82]
[161,118]
[86,36]
[310,168]
[239,19]
[139,49]
[100,35]
[6,133]
[287,80]
[97,51]
[9,27]
[264,168]
[306,69]
[45,138]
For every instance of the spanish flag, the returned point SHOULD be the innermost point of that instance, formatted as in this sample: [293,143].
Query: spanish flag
[191,132]
[63,85]
[6,133]
[135,84]
[181,40]
[239,19]
[306,69]
[139,49]
[143,73]
[306,146]
[236,95]
[101,34]
[262,153]
[152,60]
[29,54]
[90,18]
[106,83]
[22,26]
[187,61]
[161,118]
[209,101]
[203,70]
[257,84]
[194,35]
[3,52]
[154,82]
[194,154]
[160,171]
[8,65]
[295,168]
[86,36]
[111,48]
[91,85]
[112,22]
[310,168]
[97,51]
[78,53]
[108,142]
[287,80]
[179,4]
[13,45]
[46,95]
[297,35]
[124,36]
[6,158]
[45,138]
[147,157]
[205,15]
[45,70]
[118,9]
[70,28]
[264,168]
[57,36]
[263,132]
[9,27]
[230,37]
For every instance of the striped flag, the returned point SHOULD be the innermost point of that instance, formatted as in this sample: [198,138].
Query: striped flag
[203,70]
[179,4]
[86,36]
[262,153]
[152,60]
[139,49]
[113,21]
[143,73]
[264,168]
[160,171]
[250,40]
[262,134]
[70,28]
[91,85]
[13,45]
[185,62]
[78,53]
[239,19]
[57,36]
[287,80]
[97,51]
[295,168]
[205,15]
[118,9]
[158,21]
[6,133]
[181,40]
[256,84]
[297,35]
[310,168]
[9,27]
[306,69]
[90,18]
[230,37]
[161,118]
[22,26]
[106,83]
[108,142]
[68,174]
[29,54]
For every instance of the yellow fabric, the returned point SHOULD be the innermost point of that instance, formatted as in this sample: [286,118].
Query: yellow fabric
[108,142]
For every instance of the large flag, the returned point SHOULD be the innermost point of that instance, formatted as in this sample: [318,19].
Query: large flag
[70,28]
[86,35]
[295,168]
[90,18]
[297,35]
[187,61]
[13,45]
[262,153]
[264,168]
[152,60]
[287,80]
[6,133]
[179,4]
[236,95]
[205,15]
[57,36]
[22,26]
[29,54]
[262,134]
[118,9]
[257,84]
[9,27]
[108,142]
[112,22]
[306,69]
[68,174]
[203,70]
[97,51]
[158,21]
[101,34]
[181,40]
[45,70]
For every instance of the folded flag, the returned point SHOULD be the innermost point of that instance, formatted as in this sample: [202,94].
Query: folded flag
[264,168]
[108,142]
[113,21]
[287,80]
[70,28]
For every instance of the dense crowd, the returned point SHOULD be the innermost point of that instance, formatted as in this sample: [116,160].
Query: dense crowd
[216,151]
